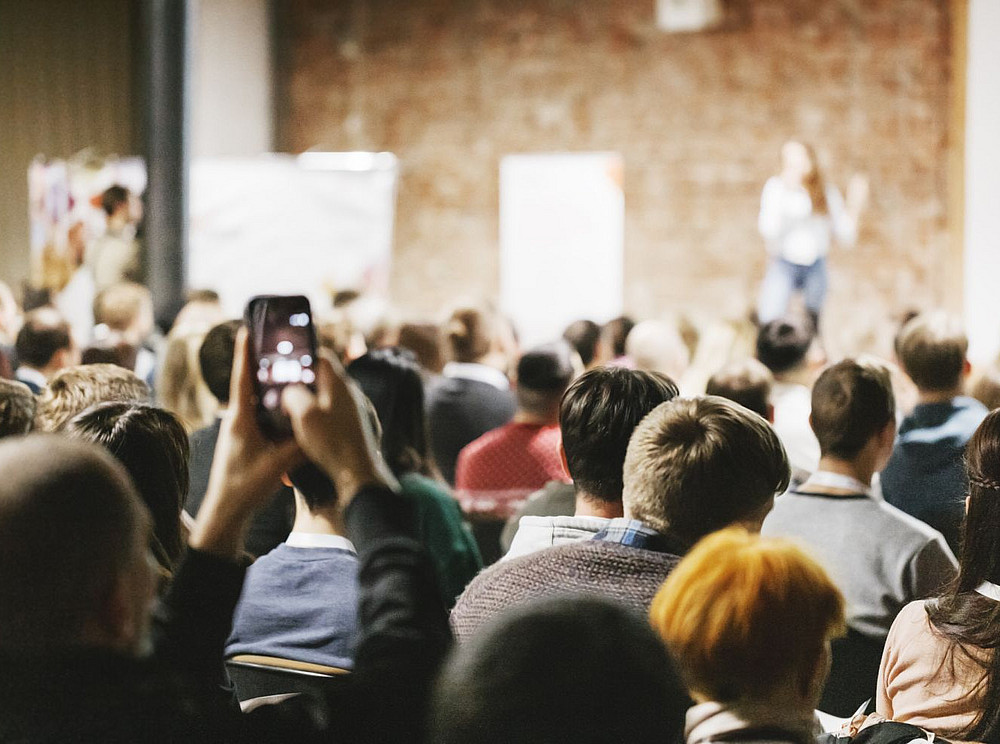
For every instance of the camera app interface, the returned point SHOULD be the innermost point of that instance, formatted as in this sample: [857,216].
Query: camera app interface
[284,349]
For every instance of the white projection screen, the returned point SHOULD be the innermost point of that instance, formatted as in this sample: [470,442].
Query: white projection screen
[562,235]
[283,224]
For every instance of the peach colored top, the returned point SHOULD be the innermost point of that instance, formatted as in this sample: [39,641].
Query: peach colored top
[918,684]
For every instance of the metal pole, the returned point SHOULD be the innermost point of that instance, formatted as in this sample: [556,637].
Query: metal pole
[166,68]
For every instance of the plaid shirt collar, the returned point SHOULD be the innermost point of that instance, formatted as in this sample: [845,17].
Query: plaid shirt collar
[635,534]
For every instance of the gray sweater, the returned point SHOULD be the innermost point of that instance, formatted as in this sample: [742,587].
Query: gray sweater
[879,557]
[619,572]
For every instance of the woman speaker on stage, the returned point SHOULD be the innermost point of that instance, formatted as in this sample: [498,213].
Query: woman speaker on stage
[800,216]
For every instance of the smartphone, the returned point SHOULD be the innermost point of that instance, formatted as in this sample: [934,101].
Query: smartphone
[283,348]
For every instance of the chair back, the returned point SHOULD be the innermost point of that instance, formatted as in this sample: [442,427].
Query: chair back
[262,676]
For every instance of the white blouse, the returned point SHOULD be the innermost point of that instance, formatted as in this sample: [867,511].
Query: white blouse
[793,231]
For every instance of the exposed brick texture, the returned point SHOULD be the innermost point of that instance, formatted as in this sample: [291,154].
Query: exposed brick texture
[451,86]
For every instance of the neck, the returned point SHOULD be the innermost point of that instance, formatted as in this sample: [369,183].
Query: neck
[858,469]
[591,506]
[536,419]
[938,396]
[324,521]
[798,376]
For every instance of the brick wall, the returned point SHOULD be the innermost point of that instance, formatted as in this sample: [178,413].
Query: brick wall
[451,86]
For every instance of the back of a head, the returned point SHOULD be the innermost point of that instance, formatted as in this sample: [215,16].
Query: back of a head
[215,358]
[560,669]
[657,345]
[615,333]
[583,335]
[782,345]
[743,615]
[69,518]
[469,333]
[747,382]
[74,389]
[17,408]
[598,414]
[932,349]
[987,387]
[152,445]
[696,465]
[120,306]
[113,198]
[424,340]
[43,333]
[390,378]
[851,402]
[543,374]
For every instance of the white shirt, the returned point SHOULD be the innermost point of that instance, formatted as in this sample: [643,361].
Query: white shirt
[792,405]
[793,231]
[32,375]
[318,540]
[479,372]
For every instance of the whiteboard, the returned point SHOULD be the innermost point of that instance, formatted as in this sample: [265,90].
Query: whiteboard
[281,224]
[562,238]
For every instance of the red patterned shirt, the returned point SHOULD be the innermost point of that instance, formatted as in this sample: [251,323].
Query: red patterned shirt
[498,471]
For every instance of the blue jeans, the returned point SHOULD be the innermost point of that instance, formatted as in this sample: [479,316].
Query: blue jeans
[782,279]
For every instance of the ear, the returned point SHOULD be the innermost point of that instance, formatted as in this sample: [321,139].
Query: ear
[770,415]
[562,459]
[966,368]
[286,480]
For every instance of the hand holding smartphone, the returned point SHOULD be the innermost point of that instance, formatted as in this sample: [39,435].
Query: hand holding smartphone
[283,348]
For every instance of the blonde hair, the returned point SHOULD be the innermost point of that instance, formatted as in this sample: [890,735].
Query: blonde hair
[932,348]
[75,389]
[742,613]
[180,387]
[119,305]
[696,465]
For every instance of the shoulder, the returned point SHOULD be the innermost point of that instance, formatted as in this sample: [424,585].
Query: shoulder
[916,533]
[911,624]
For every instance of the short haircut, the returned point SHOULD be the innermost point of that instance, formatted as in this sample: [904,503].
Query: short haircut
[424,340]
[987,387]
[512,681]
[782,344]
[75,389]
[743,615]
[17,408]
[69,519]
[43,334]
[469,333]
[747,382]
[598,414]
[615,334]
[543,374]
[215,358]
[152,445]
[852,401]
[208,296]
[696,465]
[112,198]
[583,335]
[119,305]
[657,345]
[932,349]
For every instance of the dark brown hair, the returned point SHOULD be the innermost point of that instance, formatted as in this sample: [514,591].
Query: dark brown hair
[469,332]
[747,382]
[932,349]
[851,402]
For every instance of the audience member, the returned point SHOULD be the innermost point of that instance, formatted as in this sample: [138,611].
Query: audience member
[940,667]
[272,523]
[180,387]
[123,313]
[747,382]
[693,466]
[44,346]
[300,600]
[17,408]
[75,389]
[152,445]
[986,388]
[499,470]
[879,557]
[424,340]
[575,670]
[75,591]
[749,622]
[473,395]
[614,334]
[75,299]
[925,476]
[114,256]
[584,336]
[657,346]
[391,380]
[202,309]
[597,416]
[783,347]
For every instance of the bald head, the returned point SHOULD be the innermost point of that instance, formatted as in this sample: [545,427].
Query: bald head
[70,528]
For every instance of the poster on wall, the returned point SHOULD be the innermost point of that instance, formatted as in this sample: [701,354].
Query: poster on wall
[562,238]
[280,224]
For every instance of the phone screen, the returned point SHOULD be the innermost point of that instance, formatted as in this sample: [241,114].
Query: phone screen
[284,349]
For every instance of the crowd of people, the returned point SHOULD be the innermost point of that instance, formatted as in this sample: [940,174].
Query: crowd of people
[634,532]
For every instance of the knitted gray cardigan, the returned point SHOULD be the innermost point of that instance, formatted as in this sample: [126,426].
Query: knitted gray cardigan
[619,572]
